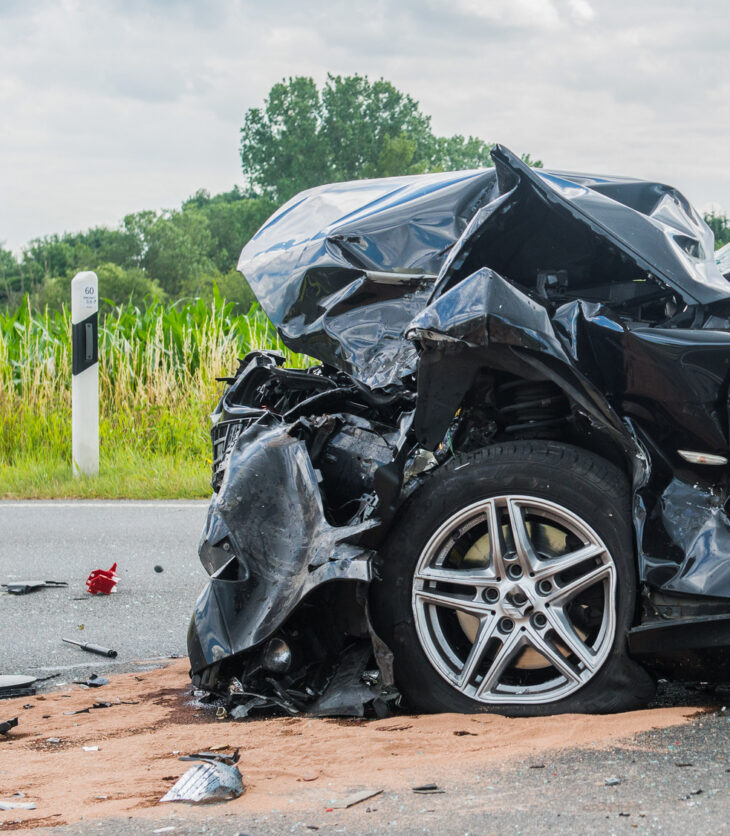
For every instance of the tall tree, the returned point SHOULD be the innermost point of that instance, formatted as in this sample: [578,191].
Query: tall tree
[351,128]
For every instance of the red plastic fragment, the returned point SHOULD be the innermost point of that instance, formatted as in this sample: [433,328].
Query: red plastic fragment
[102,581]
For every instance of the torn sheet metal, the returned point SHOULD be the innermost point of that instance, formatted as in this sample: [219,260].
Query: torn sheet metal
[325,266]
[267,543]
[314,265]
[207,782]
[696,559]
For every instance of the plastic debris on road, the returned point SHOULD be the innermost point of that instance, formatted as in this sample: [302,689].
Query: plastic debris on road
[102,581]
[7,725]
[6,804]
[94,681]
[24,587]
[355,798]
[15,685]
[207,782]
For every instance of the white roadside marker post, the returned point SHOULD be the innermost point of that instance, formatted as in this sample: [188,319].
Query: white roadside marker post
[85,379]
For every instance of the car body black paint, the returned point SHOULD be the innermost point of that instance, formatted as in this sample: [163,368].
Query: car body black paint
[437,289]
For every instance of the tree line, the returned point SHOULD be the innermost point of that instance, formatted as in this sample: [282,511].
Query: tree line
[304,135]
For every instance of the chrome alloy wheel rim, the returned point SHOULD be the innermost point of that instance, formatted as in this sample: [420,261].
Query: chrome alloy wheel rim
[526,616]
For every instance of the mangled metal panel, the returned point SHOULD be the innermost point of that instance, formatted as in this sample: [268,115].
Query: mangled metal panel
[722,259]
[342,269]
[612,368]
[652,225]
[266,543]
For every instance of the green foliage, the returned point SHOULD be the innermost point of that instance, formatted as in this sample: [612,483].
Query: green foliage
[232,220]
[117,286]
[176,249]
[720,226]
[185,252]
[351,128]
[158,365]
[231,286]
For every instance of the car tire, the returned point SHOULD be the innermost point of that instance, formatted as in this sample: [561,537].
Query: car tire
[530,622]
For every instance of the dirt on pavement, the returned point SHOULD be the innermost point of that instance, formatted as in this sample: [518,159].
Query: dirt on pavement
[286,763]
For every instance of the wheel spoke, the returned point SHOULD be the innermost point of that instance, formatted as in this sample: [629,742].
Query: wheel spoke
[566,592]
[460,577]
[453,601]
[510,645]
[496,559]
[492,593]
[485,633]
[549,568]
[567,635]
[525,552]
[553,655]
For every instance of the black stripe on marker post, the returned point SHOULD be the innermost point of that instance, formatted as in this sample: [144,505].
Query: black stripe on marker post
[85,337]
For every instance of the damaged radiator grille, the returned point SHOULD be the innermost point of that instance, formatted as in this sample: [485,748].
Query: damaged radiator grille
[223,437]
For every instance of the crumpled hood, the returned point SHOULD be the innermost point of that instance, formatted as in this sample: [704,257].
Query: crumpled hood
[342,269]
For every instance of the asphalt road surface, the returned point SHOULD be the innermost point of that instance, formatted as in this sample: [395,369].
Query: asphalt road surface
[65,540]
[672,782]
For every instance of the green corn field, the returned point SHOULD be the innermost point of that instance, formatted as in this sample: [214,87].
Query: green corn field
[157,386]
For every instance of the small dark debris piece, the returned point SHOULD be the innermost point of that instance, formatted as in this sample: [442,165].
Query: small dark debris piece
[624,815]
[94,681]
[355,798]
[220,757]
[90,707]
[24,587]
[465,733]
[16,686]
[537,766]
[159,568]
[29,705]
[7,725]
[677,763]
[428,789]
[46,678]
[92,648]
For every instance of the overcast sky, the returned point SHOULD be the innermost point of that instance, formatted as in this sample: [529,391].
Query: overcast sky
[113,107]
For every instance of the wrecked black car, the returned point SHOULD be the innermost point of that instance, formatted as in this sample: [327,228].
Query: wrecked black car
[504,485]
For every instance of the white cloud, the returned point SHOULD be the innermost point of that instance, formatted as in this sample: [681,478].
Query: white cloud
[530,14]
[113,107]
[581,11]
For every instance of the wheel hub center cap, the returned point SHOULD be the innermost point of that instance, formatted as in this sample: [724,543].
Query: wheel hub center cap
[517,602]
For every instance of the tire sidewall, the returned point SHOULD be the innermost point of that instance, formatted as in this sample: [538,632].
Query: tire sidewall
[583,483]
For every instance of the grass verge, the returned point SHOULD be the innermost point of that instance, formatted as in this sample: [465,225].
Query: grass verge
[157,386]
[127,476]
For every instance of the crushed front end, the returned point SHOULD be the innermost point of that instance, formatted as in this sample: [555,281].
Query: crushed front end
[455,317]
[301,464]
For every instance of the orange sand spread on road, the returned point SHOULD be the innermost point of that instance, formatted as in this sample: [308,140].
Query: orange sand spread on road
[286,763]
